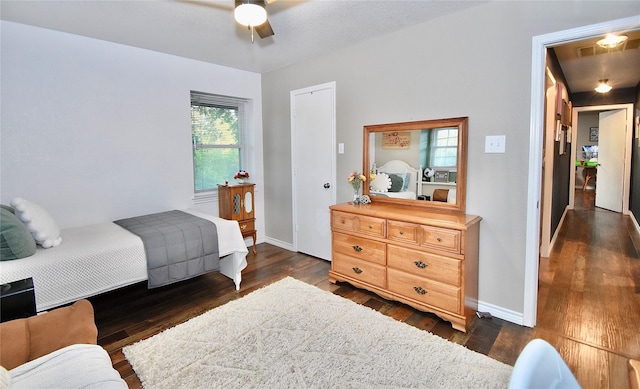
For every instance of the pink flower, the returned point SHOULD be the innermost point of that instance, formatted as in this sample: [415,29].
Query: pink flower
[356,179]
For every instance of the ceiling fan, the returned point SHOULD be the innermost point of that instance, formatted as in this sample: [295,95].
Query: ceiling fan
[253,15]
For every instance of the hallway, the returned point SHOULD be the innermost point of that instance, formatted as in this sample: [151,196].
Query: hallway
[589,294]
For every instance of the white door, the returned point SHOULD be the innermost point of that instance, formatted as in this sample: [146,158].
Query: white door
[314,168]
[611,157]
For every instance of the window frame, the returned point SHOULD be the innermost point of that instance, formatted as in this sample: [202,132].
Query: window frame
[433,147]
[219,101]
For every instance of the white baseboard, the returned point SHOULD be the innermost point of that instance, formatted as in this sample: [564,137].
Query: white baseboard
[279,243]
[635,221]
[556,233]
[501,313]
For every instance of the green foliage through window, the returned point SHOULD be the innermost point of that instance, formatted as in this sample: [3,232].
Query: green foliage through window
[216,132]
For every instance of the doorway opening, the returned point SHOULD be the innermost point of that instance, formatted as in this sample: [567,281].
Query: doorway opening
[538,73]
[587,118]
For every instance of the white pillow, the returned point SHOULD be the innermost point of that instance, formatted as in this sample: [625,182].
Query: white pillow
[451,196]
[382,183]
[38,221]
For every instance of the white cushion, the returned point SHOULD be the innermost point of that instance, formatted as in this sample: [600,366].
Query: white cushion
[75,366]
[382,183]
[5,378]
[38,221]
[539,365]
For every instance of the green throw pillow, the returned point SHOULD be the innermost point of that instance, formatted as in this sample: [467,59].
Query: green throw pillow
[396,183]
[8,208]
[15,240]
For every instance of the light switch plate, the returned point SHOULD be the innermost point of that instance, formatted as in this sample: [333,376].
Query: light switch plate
[340,148]
[495,144]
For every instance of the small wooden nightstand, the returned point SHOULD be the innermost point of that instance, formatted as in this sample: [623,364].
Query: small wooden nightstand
[235,202]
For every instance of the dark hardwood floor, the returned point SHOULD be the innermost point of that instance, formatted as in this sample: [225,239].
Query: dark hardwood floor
[588,302]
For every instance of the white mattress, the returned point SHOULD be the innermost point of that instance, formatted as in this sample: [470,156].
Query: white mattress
[397,195]
[102,257]
[233,250]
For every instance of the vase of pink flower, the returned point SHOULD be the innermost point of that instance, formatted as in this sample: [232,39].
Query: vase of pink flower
[356,180]
[241,176]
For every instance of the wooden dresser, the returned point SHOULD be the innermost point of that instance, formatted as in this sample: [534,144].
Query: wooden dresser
[422,258]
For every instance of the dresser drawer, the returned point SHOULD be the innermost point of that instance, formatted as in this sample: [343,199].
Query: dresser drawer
[371,226]
[402,232]
[362,248]
[423,290]
[358,269]
[432,266]
[441,238]
[343,221]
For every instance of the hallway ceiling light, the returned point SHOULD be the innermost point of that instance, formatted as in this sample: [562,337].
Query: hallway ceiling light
[603,87]
[612,41]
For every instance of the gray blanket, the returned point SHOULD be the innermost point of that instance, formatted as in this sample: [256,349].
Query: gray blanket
[178,245]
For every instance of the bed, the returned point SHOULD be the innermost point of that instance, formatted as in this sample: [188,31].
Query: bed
[396,169]
[103,257]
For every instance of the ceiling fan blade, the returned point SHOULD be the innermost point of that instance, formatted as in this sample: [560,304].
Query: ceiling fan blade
[258,2]
[264,30]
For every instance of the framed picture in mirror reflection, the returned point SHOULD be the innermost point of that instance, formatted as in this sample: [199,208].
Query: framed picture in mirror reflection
[396,140]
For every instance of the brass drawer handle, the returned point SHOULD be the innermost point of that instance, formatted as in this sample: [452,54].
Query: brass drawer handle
[243,227]
[357,248]
[420,264]
[401,232]
[439,239]
[357,270]
[419,290]
[370,227]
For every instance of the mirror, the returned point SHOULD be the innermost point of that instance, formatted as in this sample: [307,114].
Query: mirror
[419,164]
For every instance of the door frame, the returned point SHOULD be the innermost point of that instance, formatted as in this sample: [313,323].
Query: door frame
[626,175]
[536,127]
[294,192]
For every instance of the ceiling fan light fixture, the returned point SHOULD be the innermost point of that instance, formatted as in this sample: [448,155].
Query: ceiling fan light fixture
[603,86]
[612,41]
[250,14]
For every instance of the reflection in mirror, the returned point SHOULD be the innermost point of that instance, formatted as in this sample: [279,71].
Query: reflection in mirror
[421,163]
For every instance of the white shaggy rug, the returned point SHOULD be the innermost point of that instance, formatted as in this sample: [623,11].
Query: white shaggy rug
[294,335]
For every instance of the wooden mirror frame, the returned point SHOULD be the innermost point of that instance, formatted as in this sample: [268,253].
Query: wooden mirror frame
[461,178]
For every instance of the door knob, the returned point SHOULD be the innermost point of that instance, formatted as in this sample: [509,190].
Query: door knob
[327,185]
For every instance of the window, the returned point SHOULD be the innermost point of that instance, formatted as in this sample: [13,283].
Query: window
[217,132]
[443,147]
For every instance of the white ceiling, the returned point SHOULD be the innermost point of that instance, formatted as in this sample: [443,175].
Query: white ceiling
[584,63]
[205,30]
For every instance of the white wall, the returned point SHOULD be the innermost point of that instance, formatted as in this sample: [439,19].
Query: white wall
[95,131]
[474,63]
